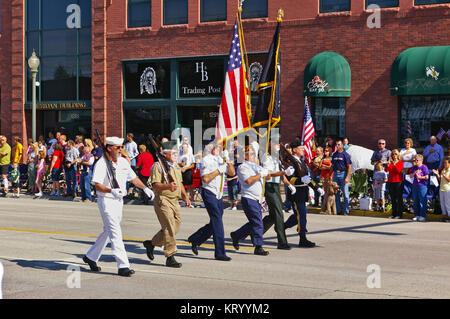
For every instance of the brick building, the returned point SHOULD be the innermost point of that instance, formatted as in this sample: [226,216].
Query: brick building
[149,66]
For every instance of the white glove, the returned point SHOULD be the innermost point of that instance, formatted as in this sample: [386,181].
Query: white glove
[149,193]
[306,179]
[226,155]
[117,193]
[289,171]
[321,191]
[222,168]
[292,189]
[264,172]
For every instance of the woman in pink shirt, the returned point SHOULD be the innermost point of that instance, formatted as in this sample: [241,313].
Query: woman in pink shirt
[395,179]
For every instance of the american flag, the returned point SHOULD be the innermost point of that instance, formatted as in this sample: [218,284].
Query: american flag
[235,109]
[408,129]
[440,134]
[308,133]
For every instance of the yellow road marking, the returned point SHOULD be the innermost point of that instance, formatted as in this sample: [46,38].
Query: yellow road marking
[95,236]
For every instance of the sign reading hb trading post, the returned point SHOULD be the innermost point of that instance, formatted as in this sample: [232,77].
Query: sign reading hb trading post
[201,78]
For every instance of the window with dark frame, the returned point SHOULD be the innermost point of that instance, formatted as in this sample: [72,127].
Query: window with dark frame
[383,3]
[422,2]
[65,53]
[175,12]
[139,13]
[252,9]
[213,10]
[334,5]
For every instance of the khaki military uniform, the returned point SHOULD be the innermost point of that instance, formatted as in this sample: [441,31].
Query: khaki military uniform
[167,209]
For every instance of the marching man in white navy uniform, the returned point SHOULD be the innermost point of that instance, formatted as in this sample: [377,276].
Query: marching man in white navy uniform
[110,204]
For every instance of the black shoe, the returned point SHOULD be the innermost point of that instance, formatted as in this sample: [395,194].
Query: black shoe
[171,262]
[149,246]
[194,248]
[92,264]
[260,251]
[305,243]
[235,241]
[223,258]
[126,272]
[284,247]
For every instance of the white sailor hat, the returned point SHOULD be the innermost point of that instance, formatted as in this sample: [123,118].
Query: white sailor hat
[114,140]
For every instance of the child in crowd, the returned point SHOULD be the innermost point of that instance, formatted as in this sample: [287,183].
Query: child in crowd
[15,180]
[379,186]
[444,189]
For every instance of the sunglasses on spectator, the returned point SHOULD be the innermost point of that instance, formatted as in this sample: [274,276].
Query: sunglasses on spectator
[118,147]
[381,143]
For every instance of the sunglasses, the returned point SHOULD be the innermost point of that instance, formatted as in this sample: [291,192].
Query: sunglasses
[381,143]
[118,147]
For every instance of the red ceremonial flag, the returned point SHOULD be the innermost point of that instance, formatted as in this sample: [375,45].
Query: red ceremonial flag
[308,133]
[235,109]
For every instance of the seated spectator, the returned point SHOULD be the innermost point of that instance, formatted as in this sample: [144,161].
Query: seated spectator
[420,175]
[346,143]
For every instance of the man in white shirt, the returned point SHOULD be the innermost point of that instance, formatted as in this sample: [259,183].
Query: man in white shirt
[251,177]
[132,149]
[212,171]
[110,185]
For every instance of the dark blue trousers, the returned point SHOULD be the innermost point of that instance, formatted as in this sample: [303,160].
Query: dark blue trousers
[298,217]
[255,226]
[214,207]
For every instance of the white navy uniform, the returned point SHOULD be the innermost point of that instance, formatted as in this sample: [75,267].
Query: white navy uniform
[111,211]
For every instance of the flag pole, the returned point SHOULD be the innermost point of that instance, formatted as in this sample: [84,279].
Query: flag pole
[269,127]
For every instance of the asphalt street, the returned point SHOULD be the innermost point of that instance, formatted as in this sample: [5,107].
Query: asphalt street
[42,242]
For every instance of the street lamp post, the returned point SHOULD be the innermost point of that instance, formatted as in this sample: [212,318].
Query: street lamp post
[33,63]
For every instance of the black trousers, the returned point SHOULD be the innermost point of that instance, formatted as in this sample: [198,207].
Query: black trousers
[396,192]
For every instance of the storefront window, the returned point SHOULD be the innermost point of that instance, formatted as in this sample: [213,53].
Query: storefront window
[147,80]
[139,13]
[419,2]
[334,5]
[254,9]
[201,78]
[329,117]
[423,116]
[145,121]
[175,12]
[213,10]
[60,33]
[383,3]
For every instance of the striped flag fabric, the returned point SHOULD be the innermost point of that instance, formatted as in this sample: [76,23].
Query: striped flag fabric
[308,133]
[440,134]
[408,129]
[235,109]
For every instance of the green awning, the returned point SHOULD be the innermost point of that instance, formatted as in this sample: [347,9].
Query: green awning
[327,75]
[421,71]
